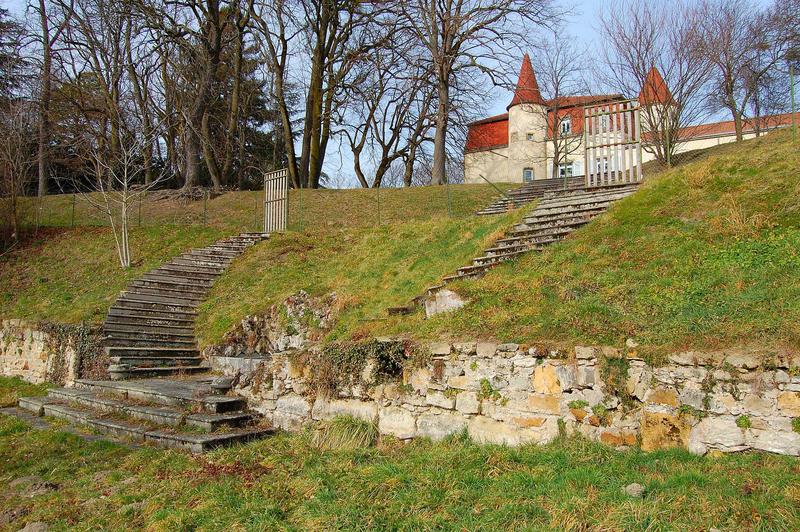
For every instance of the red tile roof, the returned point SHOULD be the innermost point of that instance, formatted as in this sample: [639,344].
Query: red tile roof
[488,133]
[527,87]
[655,90]
[727,127]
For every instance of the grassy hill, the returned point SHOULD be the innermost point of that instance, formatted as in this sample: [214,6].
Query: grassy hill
[706,255]
[703,256]
[70,274]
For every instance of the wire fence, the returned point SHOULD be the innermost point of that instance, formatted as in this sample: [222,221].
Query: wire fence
[309,210]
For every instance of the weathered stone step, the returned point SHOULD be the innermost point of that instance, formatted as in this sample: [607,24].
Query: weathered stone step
[212,266]
[169,302]
[134,326]
[152,352]
[143,432]
[141,372]
[192,394]
[162,330]
[579,200]
[186,272]
[144,319]
[120,340]
[534,236]
[217,252]
[148,362]
[148,310]
[537,217]
[181,295]
[563,220]
[173,281]
[500,257]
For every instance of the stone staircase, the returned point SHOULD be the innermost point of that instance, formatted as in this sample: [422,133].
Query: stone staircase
[149,330]
[185,414]
[530,191]
[555,217]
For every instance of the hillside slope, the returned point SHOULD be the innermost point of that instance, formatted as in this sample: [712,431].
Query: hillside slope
[706,255]
[71,274]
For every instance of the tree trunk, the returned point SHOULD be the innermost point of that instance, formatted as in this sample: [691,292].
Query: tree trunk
[191,170]
[439,172]
[44,104]
[208,153]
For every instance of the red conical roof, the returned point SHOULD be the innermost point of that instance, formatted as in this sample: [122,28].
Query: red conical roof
[527,87]
[655,90]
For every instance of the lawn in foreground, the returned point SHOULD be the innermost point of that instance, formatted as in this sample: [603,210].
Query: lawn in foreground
[286,483]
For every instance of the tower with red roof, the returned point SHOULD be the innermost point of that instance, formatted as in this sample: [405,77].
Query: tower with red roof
[527,127]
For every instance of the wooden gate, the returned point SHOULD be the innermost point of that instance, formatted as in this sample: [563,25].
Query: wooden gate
[612,140]
[276,201]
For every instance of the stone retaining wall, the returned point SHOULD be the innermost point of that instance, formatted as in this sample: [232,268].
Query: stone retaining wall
[511,394]
[41,352]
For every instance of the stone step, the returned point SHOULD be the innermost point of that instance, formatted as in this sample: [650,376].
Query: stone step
[159,330]
[212,266]
[174,282]
[564,220]
[191,394]
[568,200]
[141,372]
[144,319]
[143,432]
[180,295]
[167,302]
[533,237]
[499,257]
[217,252]
[569,207]
[208,256]
[144,352]
[148,310]
[149,362]
[187,273]
[540,217]
[121,340]
[522,246]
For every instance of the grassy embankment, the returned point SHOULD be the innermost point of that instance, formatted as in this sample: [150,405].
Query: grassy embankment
[72,274]
[285,482]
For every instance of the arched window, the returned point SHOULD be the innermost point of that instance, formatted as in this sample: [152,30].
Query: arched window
[527,175]
[565,125]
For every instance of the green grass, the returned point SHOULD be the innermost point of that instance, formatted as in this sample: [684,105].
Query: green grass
[287,483]
[72,274]
[12,388]
[704,256]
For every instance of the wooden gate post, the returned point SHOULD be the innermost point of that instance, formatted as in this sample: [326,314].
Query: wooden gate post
[276,201]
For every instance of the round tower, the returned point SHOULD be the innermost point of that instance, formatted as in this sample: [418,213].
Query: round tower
[656,101]
[527,128]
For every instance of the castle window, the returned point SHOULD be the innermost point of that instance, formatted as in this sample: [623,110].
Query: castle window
[566,169]
[527,175]
[566,126]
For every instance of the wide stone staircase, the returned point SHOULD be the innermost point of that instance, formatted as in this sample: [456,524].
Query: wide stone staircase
[149,332]
[553,218]
[531,191]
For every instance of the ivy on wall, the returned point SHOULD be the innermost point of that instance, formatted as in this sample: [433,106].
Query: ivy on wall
[91,359]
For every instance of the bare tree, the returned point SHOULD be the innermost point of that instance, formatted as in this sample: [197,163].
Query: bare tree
[561,75]
[744,44]
[469,38]
[118,182]
[651,49]
[17,160]
[52,25]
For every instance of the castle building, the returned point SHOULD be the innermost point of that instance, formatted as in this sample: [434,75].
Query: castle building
[539,138]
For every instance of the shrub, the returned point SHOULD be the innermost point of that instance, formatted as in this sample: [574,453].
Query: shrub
[743,422]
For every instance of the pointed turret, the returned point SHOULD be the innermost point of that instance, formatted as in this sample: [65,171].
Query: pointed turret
[527,90]
[654,90]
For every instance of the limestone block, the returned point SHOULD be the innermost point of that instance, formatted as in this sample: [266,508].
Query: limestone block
[782,442]
[693,397]
[419,379]
[524,361]
[291,412]
[724,403]
[587,376]
[468,403]
[529,421]
[759,406]
[660,431]
[507,348]
[545,404]
[464,382]
[717,432]
[662,396]
[397,422]
[440,348]
[465,348]
[585,353]
[486,349]
[443,301]
[743,360]
[567,377]
[789,403]
[330,408]
[440,399]
[618,438]
[440,425]
[545,380]
[484,430]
